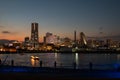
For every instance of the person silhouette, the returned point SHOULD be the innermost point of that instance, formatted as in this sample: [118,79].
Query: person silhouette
[40,63]
[0,61]
[12,62]
[55,64]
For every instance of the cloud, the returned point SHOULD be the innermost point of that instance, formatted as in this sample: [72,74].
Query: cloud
[6,32]
[9,32]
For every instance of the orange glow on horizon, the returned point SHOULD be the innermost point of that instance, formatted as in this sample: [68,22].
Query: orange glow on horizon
[19,38]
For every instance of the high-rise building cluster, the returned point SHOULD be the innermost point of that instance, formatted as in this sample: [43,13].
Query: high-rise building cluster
[50,38]
[53,42]
[33,41]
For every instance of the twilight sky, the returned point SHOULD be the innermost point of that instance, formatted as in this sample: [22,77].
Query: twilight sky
[61,17]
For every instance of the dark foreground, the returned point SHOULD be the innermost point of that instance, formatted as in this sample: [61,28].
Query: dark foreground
[32,73]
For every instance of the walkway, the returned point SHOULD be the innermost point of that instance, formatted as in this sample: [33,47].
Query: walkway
[44,72]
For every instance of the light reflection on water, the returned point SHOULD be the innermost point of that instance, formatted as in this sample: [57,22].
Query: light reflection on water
[102,61]
[76,58]
[34,63]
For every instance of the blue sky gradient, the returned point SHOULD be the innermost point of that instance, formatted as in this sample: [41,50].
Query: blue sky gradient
[61,17]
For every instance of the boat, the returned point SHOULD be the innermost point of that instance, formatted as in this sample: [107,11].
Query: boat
[35,57]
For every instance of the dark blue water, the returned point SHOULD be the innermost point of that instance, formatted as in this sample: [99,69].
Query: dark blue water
[66,60]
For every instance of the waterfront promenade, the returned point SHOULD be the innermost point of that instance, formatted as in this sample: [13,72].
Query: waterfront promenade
[37,73]
[103,66]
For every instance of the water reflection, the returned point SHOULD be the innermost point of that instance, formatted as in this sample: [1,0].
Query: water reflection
[100,61]
[76,58]
[34,61]
[55,55]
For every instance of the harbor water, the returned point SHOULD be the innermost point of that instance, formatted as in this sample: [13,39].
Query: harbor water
[64,60]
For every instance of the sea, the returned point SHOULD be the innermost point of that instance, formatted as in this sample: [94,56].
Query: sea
[63,60]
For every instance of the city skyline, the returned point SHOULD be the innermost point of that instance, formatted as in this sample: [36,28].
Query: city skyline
[61,17]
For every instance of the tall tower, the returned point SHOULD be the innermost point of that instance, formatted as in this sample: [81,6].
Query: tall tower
[34,35]
[75,36]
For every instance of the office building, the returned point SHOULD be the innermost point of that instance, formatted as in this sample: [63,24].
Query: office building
[34,35]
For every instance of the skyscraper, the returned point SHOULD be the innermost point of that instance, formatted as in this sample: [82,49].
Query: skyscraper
[75,36]
[34,35]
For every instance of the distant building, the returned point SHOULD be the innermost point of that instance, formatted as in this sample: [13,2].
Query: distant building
[90,43]
[109,42]
[44,39]
[75,36]
[83,40]
[48,34]
[34,35]
[26,40]
[66,42]
[26,43]
[50,38]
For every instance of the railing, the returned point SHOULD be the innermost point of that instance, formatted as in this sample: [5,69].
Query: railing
[71,66]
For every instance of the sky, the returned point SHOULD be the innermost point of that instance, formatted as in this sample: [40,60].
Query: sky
[96,18]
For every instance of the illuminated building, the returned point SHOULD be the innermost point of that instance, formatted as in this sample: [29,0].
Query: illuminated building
[83,41]
[26,40]
[109,42]
[90,43]
[44,39]
[48,34]
[34,35]
[66,42]
[27,43]
[50,38]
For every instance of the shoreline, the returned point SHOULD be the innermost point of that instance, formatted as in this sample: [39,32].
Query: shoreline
[95,51]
